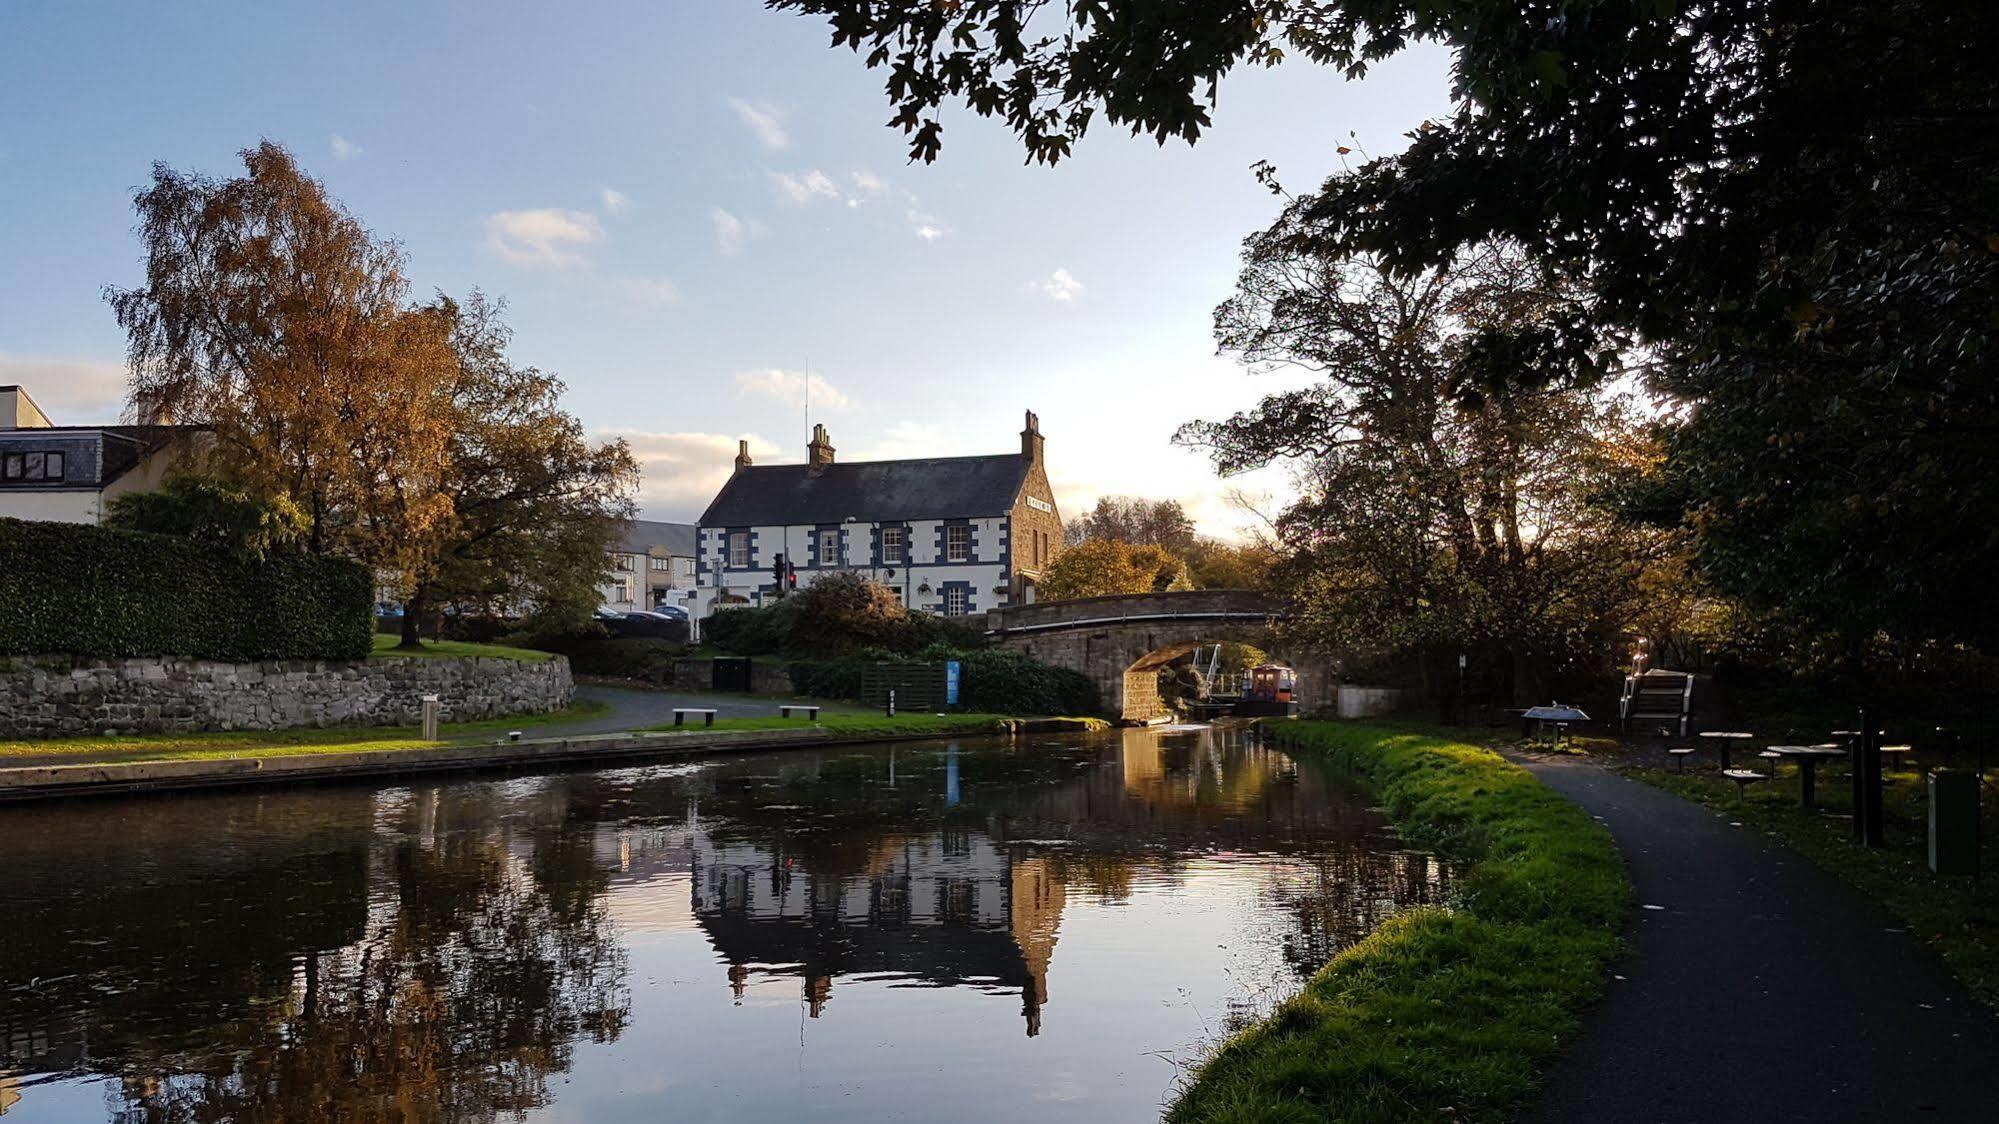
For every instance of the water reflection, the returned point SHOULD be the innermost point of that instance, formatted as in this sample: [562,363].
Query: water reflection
[461,951]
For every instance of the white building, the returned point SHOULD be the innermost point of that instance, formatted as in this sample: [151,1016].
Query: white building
[950,535]
[71,473]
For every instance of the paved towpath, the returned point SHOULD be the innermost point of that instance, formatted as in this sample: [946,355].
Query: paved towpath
[1759,988]
[633,709]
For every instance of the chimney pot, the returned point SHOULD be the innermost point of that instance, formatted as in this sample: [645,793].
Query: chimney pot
[1030,438]
[743,453]
[819,453]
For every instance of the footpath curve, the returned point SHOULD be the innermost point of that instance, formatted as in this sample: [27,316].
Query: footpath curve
[1759,987]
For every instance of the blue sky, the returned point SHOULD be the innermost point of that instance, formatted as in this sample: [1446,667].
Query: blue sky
[688,207]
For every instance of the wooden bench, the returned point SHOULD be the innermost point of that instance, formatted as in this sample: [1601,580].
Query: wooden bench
[680,714]
[1680,754]
[1743,778]
[811,712]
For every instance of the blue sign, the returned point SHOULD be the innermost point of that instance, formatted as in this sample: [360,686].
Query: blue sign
[951,683]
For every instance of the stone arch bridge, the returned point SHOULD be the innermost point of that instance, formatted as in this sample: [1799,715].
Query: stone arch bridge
[1122,641]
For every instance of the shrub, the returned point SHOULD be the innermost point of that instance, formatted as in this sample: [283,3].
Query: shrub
[836,616]
[78,590]
[988,681]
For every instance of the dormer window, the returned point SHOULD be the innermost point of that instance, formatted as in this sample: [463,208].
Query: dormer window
[31,467]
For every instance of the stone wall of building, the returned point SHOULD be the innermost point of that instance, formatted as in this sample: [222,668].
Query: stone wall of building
[55,697]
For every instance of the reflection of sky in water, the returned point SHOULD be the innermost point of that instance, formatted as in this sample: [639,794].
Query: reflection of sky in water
[975,931]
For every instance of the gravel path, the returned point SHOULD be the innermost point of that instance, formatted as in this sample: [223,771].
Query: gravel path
[1760,988]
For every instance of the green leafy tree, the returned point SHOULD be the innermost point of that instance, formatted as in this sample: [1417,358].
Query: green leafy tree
[212,511]
[1137,521]
[1788,202]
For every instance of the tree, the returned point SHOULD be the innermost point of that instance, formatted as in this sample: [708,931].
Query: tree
[1788,201]
[535,505]
[1214,564]
[1100,567]
[1133,520]
[212,511]
[400,431]
[272,315]
[1447,502]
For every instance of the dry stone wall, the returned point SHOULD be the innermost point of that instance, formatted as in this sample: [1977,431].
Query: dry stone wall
[56,697]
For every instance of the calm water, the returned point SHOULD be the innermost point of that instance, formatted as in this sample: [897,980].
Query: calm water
[957,930]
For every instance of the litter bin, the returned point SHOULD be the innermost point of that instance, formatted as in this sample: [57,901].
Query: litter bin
[1953,821]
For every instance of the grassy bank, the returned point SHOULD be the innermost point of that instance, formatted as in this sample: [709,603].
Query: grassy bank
[872,722]
[269,743]
[1957,916]
[1445,1011]
[388,647]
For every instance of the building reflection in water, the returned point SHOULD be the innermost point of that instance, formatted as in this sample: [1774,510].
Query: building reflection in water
[441,952]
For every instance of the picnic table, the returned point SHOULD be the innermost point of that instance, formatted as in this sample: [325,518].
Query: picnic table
[1725,738]
[1808,758]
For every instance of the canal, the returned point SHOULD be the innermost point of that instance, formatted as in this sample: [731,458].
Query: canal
[972,929]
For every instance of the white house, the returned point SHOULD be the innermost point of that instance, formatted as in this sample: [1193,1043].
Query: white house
[950,535]
[71,473]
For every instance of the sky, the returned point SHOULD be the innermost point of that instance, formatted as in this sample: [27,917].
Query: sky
[696,216]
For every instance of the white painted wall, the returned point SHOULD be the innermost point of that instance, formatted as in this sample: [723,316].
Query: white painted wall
[926,553]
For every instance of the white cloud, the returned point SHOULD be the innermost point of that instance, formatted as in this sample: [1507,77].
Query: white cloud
[344,149]
[764,120]
[651,290]
[927,227]
[731,232]
[1059,286]
[681,472]
[805,187]
[909,438]
[791,387]
[71,391]
[545,237]
[615,201]
[869,184]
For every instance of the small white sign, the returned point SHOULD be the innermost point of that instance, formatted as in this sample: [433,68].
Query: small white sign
[1040,505]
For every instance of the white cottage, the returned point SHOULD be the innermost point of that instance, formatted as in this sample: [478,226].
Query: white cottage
[950,535]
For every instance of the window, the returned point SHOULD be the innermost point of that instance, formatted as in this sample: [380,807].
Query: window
[957,543]
[739,549]
[895,546]
[829,548]
[662,565]
[53,469]
[684,567]
[954,601]
[31,466]
[624,563]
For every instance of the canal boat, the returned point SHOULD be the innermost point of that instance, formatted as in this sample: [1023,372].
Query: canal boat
[1272,692]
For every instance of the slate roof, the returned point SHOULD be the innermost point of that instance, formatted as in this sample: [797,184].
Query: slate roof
[646,535]
[869,491]
[123,447]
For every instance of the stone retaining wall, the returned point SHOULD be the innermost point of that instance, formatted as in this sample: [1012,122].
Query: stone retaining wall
[57,697]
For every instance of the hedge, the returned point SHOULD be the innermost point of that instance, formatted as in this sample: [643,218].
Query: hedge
[992,682]
[73,589]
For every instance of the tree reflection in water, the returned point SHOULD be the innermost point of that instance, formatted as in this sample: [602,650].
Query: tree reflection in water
[445,951]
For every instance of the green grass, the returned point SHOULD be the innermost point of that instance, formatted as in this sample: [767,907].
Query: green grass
[1444,1011]
[858,724]
[267,743]
[1957,916]
[386,646]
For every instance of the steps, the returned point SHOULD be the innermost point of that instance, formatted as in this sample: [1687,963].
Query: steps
[1658,702]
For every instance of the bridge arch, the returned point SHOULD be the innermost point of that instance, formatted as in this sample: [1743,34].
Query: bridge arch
[1122,641]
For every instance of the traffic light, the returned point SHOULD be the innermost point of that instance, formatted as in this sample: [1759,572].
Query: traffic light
[790,576]
[778,567]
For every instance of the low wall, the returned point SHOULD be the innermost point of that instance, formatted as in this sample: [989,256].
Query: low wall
[57,697]
[1371,702]
[766,678]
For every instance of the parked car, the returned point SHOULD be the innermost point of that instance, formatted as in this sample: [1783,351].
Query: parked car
[674,611]
[642,623]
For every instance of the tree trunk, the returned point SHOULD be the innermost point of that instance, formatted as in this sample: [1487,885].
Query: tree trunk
[412,610]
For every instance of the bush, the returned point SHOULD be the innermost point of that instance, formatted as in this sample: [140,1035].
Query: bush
[592,651]
[988,681]
[835,617]
[78,590]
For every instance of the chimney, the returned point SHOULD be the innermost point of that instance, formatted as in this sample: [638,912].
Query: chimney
[1030,438]
[743,453]
[819,453]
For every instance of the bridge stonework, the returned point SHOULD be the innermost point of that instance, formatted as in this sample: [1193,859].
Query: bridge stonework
[1121,642]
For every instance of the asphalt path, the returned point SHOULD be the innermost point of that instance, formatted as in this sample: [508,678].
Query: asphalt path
[1759,987]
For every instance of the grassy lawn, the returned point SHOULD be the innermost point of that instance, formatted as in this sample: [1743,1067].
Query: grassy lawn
[268,743]
[1957,916]
[386,647]
[864,722]
[1446,1011]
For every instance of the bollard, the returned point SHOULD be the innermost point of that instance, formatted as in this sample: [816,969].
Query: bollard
[430,712]
[891,703]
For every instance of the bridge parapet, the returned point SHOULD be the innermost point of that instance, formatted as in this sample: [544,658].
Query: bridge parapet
[1189,605]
